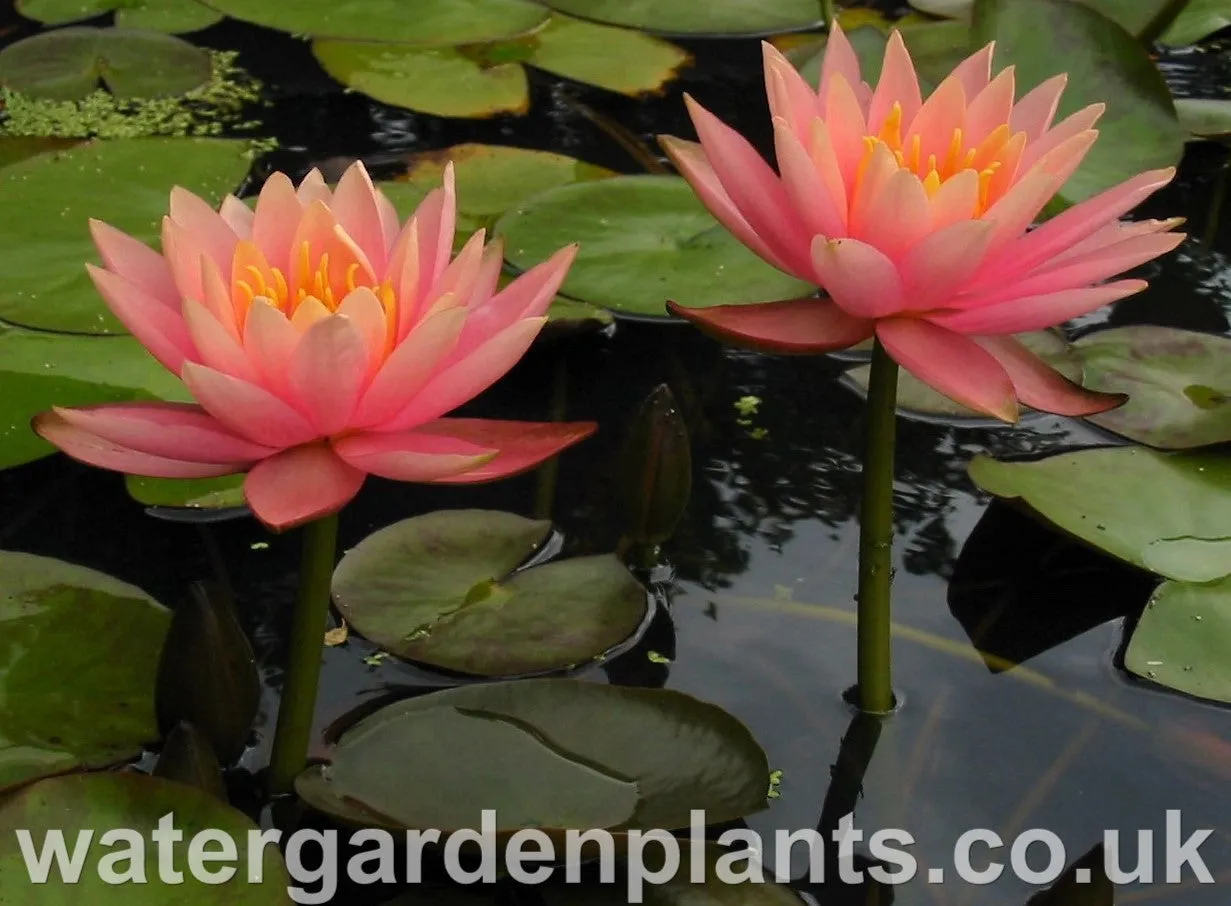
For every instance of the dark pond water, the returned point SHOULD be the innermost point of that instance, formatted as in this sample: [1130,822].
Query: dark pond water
[756,586]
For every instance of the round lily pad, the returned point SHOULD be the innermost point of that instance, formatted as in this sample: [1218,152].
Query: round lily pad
[1182,637]
[125,867]
[1169,513]
[644,240]
[438,23]
[617,59]
[1178,384]
[69,63]
[677,753]
[441,589]
[80,658]
[917,399]
[49,199]
[1205,117]
[1105,64]
[172,16]
[716,17]
[197,494]
[1198,20]
[18,148]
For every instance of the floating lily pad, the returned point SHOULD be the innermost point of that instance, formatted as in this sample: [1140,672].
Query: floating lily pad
[48,200]
[1182,637]
[1169,513]
[441,589]
[77,676]
[617,59]
[917,398]
[1132,15]
[17,148]
[644,240]
[679,754]
[172,16]
[569,315]
[440,23]
[41,370]
[716,17]
[222,493]
[1205,117]
[1178,384]
[92,806]
[1197,21]
[69,63]
[1105,64]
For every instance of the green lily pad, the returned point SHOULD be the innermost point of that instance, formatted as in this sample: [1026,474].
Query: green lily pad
[188,493]
[1182,637]
[1197,21]
[917,398]
[617,59]
[1204,117]
[18,148]
[80,657]
[1169,513]
[437,23]
[441,589]
[438,80]
[569,315]
[945,9]
[678,752]
[716,17]
[48,200]
[644,240]
[69,63]
[41,370]
[1105,64]
[172,16]
[1132,15]
[1178,382]
[95,804]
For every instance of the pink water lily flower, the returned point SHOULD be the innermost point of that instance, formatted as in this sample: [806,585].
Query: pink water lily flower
[322,341]
[913,215]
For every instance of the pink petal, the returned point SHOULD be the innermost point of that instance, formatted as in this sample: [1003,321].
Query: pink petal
[209,231]
[136,262]
[178,431]
[269,341]
[1081,121]
[754,188]
[529,296]
[934,269]
[956,200]
[690,159]
[899,215]
[299,485]
[941,114]
[358,213]
[805,186]
[859,278]
[1040,386]
[522,445]
[990,108]
[93,450]
[975,71]
[367,313]
[466,379]
[825,161]
[840,61]
[951,364]
[1014,211]
[898,84]
[1033,114]
[409,367]
[248,410]
[313,188]
[792,326]
[1036,312]
[412,455]
[790,97]
[158,328]
[278,210]
[845,120]
[880,166]
[216,347]
[390,225]
[436,223]
[238,216]
[461,274]
[1114,233]
[328,371]
[216,297]
[318,231]
[183,254]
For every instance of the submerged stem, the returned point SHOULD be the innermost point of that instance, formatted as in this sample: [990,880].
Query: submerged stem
[875,691]
[303,670]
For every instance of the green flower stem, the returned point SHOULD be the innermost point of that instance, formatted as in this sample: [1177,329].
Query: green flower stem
[875,691]
[310,621]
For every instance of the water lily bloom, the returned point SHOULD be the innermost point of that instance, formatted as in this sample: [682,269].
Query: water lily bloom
[322,342]
[913,216]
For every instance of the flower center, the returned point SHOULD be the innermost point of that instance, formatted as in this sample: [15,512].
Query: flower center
[313,282]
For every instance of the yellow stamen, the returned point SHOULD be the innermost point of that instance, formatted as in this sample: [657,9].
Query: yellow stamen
[953,158]
[350,276]
[931,184]
[891,130]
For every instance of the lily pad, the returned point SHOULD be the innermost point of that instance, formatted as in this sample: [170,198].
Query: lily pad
[1132,15]
[1105,64]
[441,589]
[617,59]
[1169,513]
[678,752]
[222,493]
[918,399]
[644,240]
[716,17]
[40,370]
[125,871]
[17,148]
[1205,117]
[69,63]
[437,23]
[1178,384]
[172,16]
[1197,21]
[1181,640]
[77,675]
[48,200]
